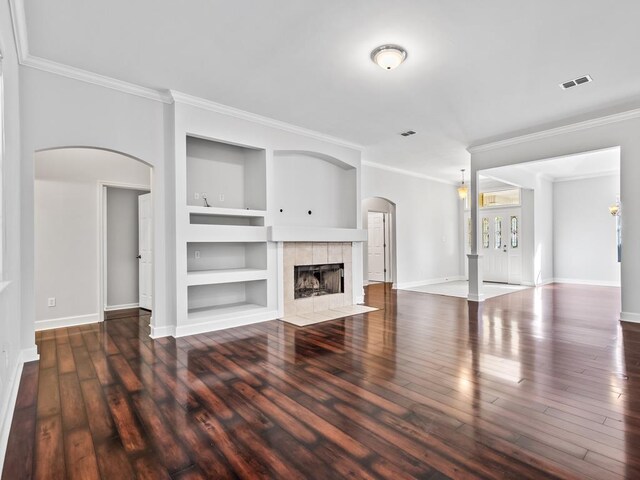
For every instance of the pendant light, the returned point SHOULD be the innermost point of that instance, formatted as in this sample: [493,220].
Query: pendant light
[462,189]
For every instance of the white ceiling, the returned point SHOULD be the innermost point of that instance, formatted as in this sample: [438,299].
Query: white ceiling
[584,165]
[475,70]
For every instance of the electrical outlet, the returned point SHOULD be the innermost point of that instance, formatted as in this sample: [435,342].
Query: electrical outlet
[51,302]
[221,197]
[197,253]
[196,196]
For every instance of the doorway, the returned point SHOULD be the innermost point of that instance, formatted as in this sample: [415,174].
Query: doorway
[376,247]
[127,250]
[500,244]
[379,252]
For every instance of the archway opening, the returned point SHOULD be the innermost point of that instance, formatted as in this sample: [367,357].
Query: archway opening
[379,252]
[93,236]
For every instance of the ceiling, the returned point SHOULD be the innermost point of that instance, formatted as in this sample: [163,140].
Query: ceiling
[584,165]
[475,70]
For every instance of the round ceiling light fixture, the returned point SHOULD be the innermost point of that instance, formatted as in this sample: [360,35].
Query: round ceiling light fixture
[388,56]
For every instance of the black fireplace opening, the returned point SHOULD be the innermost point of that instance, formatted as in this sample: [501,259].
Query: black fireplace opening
[316,280]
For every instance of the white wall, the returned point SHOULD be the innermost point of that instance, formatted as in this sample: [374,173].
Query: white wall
[122,247]
[66,229]
[16,347]
[427,224]
[584,232]
[57,111]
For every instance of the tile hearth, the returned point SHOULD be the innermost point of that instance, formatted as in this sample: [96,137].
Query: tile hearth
[302,320]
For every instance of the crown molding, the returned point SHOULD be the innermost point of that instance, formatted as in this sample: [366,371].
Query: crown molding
[211,106]
[94,78]
[19,22]
[574,127]
[606,173]
[409,173]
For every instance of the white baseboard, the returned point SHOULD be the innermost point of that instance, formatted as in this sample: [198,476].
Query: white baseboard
[110,308]
[431,281]
[630,317]
[7,410]
[221,324]
[472,297]
[159,332]
[579,281]
[67,321]
[359,300]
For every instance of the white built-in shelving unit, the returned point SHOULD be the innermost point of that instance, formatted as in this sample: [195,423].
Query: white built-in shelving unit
[227,264]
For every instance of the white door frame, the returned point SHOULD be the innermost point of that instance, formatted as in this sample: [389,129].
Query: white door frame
[102,238]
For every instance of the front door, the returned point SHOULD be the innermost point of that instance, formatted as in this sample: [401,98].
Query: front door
[500,245]
[145,252]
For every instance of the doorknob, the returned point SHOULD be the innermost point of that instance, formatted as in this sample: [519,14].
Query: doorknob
[139,257]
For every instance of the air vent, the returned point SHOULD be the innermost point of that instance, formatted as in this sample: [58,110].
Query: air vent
[575,82]
[408,133]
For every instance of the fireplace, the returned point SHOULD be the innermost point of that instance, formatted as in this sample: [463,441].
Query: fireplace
[317,280]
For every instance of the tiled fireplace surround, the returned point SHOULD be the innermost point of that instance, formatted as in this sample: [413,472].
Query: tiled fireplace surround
[316,253]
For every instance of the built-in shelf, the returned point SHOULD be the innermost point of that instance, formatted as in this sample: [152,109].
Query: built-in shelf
[233,212]
[316,234]
[221,312]
[226,233]
[210,277]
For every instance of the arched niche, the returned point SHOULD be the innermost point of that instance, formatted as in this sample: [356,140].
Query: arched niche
[313,189]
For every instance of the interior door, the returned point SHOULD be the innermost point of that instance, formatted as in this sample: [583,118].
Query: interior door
[145,252]
[375,245]
[500,245]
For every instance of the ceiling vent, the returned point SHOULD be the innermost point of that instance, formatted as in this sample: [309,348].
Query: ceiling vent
[408,133]
[575,82]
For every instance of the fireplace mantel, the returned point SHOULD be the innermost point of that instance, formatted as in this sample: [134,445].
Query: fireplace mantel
[316,234]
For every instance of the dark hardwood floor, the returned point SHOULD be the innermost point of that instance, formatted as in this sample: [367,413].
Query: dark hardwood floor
[543,383]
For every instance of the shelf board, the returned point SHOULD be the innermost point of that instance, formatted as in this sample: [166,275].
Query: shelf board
[225,233]
[196,315]
[316,234]
[210,277]
[228,212]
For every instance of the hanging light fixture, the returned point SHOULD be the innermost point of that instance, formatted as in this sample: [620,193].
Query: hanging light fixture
[388,56]
[614,209]
[463,190]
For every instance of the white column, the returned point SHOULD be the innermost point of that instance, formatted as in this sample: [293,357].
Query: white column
[475,261]
[475,278]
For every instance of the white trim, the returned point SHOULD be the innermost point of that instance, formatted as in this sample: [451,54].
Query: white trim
[409,173]
[4,285]
[430,281]
[472,297]
[630,317]
[359,300]
[159,332]
[111,308]
[102,238]
[19,21]
[213,325]
[29,354]
[608,173]
[548,281]
[579,281]
[8,408]
[67,321]
[552,132]
[209,105]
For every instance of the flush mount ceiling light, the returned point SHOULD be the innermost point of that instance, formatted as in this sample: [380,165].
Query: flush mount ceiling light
[388,56]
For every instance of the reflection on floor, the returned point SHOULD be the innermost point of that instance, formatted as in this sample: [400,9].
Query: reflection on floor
[461,289]
[311,318]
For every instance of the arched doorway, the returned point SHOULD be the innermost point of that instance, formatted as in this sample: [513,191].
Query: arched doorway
[379,252]
[87,250]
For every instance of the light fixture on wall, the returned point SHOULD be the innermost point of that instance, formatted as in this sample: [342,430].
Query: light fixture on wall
[388,56]
[463,190]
